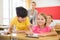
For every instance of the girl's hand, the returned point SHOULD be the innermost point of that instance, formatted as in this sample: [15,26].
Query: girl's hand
[42,35]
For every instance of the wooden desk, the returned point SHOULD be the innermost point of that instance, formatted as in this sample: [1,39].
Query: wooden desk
[57,29]
[3,27]
[23,37]
[5,37]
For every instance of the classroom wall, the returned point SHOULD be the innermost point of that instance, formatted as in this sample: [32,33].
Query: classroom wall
[49,7]
[47,3]
[1,11]
[54,11]
[40,4]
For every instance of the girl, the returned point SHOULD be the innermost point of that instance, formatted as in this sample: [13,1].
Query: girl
[50,21]
[41,27]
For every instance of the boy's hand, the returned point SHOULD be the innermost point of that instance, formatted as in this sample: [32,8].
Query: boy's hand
[6,33]
[20,31]
[28,32]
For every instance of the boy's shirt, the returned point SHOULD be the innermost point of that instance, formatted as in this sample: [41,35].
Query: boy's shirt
[20,25]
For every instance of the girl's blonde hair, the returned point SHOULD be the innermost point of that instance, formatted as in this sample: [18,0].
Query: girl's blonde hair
[42,14]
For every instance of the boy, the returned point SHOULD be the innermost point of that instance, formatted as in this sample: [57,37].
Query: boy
[21,21]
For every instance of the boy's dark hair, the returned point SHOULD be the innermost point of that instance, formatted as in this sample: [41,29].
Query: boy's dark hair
[21,12]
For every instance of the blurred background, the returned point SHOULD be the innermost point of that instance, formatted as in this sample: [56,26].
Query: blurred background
[7,8]
[8,11]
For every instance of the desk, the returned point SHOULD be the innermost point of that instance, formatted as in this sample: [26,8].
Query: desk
[23,37]
[57,29]
[3,27]
[5,37]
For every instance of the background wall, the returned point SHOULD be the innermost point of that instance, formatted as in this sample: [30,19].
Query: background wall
[47,3]
[1,11]
[42,5]
[49,7]
[54,11]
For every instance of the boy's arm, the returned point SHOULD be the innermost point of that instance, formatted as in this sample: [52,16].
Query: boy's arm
[24,31]
[30,29]
[10,29]
[11,25]
[29,25]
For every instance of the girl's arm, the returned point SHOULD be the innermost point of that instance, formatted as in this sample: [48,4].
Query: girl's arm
[51,33]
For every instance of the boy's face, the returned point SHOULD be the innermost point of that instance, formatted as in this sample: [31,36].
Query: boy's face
[21,19]
[40,20]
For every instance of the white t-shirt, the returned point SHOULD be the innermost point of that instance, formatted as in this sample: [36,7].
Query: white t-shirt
[52,25]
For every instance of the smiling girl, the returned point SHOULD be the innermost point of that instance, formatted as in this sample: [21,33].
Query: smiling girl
[41,27]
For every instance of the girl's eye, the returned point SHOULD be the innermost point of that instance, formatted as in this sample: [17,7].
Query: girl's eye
[42,19]
[38,19]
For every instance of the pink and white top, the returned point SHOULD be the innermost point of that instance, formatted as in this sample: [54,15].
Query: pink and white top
[38,30]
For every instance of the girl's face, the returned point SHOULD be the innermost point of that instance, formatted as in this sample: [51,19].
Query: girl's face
[49,19]
[40,20]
